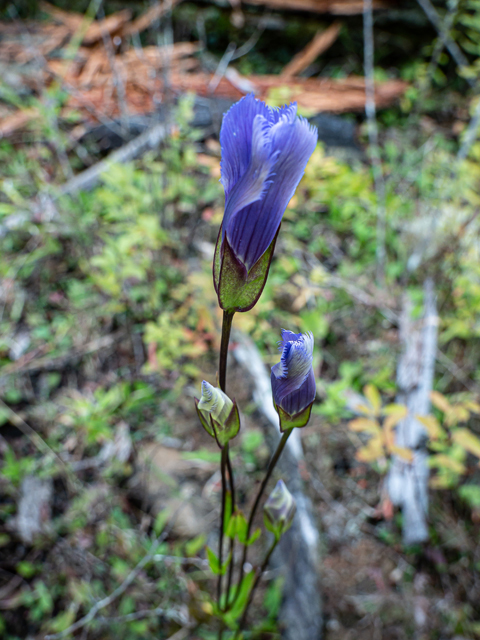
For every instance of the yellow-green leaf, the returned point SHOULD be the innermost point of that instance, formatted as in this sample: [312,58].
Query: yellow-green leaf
[441,460]
[432,427]
[466,439]
[372,451]
[373,397]
[402,452]
[394,409]
[364,425]
[440,401]
[474,407]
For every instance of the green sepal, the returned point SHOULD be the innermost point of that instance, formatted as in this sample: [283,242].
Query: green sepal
[297,421]
[237,289]
[226,432]
[206,423]
[222,433]
[277,530]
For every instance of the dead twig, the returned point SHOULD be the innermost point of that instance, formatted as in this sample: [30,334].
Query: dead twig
[158,612]
[373,147]
[49,363]
[335,7]
[445,36]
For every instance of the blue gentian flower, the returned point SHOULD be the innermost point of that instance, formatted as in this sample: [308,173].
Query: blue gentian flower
[264,155]
[293,380]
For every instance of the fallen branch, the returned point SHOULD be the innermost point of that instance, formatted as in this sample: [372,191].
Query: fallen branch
[335,7]
[87,179]
[49,363]
[407,482]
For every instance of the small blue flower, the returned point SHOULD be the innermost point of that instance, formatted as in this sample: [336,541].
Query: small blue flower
[293,380]
[264,155]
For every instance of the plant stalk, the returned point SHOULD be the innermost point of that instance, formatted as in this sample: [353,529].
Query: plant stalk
[222,368]
[225,463]
[271,467]
[232,540]
[254,586]
[223,466]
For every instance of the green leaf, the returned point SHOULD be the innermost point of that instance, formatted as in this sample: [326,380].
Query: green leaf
[62,621]
[161,521]
[192,547]
[236,611]
[255,535]
[213,561]
[373,397]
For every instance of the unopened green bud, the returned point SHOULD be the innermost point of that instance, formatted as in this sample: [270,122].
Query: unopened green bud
[218,414]
[279,510]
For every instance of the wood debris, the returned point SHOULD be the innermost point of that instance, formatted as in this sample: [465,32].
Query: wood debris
[335,7]
[316,95]
[95,32]
[157,11]
[109,81]
[17,120]
[320,43]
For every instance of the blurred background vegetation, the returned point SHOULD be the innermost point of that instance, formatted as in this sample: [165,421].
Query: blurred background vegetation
[109,320]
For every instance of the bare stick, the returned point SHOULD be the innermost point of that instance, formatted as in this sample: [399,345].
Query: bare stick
[448,41]
[370,111]
[222,66]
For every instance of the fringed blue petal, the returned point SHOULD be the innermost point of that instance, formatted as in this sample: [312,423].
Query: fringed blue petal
[236,138]
[255,181]
[294,366]
[251,230]
[288,336]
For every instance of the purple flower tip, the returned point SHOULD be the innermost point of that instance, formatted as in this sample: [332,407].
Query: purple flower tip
[293,380]
[264,155]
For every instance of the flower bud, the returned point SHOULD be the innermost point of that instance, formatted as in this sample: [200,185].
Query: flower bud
[293,380]
[279,510]
[218,414]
